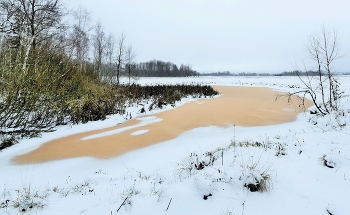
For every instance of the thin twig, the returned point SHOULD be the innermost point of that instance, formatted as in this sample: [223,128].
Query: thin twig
[122,204]
[243,207]
[168,205]
[234,135]
[222,157]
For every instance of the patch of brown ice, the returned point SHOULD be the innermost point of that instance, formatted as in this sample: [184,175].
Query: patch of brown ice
[241,106]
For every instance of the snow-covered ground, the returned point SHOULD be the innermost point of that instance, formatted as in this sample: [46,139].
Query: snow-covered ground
[302,168]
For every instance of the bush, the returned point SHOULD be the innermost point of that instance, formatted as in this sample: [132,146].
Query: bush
[7,142]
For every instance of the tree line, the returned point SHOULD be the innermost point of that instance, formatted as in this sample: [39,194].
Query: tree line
[158,68]
[32,26]
[38,24]
[228,73]
[286,73]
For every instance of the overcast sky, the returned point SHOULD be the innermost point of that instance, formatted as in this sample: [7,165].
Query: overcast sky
[224,35]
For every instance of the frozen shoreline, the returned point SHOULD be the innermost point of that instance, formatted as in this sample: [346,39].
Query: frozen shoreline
[240,106]
[301,183]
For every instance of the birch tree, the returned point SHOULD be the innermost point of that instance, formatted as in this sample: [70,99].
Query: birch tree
[37,19]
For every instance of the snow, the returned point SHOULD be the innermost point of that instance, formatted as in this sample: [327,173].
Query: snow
[144,121]
[139,132]
[288,159]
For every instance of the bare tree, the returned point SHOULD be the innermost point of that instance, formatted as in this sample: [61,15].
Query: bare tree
[110,54]
[323,88]
[120,55]
[99,48]
[79,37]
[37,19]
[29,23]
[129,60]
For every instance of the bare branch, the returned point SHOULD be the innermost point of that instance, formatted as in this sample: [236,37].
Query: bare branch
[324,50]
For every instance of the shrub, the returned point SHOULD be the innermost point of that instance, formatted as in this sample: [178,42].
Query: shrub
[8,141]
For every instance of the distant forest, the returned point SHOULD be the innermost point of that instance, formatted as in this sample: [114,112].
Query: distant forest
[291,73]
[158,68]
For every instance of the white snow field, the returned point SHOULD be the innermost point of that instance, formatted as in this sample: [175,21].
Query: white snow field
[301,167]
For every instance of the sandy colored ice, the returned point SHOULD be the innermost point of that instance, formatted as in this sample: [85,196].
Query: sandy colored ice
[241,106]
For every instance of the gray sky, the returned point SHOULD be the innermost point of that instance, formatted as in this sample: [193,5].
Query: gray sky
[224,35]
